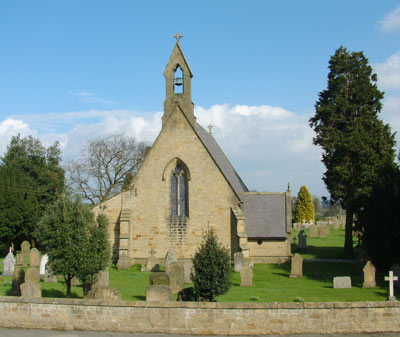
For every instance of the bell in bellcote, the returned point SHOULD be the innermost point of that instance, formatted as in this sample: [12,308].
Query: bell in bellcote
[178,81]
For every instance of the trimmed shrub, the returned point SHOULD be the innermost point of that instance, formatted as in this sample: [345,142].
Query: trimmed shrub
[304,206]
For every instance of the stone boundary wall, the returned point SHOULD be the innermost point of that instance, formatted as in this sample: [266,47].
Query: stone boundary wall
[200,318]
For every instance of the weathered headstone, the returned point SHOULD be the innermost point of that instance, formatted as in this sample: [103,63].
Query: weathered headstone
[75,282]
[19,260]
[8,264]
[158,293]
[170,258]
[323,231]
[17,280]
[238,259]
[187,266]
[159,278]
[335,223]
[369,275]
[246,276]
[34,258]
[49,276]
[340,282]
[102,281]
[123,262]
[302,239]
[152,263]
[396,272]
[31,289]
[176,277]
[313,231]
[106,293]
[43,263]
[296,269]
[25,251]
[33,275]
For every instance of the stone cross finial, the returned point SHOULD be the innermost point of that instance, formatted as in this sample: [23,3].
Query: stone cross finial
[178,36]
[391,280]
[210,126]
[152,251]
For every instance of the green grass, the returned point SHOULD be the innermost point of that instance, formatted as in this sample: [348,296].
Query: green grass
[271,282]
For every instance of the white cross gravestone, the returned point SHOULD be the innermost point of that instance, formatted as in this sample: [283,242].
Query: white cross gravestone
[391,279]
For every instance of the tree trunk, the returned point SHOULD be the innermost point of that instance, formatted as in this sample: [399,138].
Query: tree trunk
[348,237]
[68,280]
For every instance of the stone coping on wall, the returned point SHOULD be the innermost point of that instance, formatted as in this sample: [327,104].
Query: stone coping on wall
[204,305]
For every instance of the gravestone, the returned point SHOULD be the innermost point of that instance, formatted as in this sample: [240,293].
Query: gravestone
[8,264]
[323,231]
[31,289]
[335,223]
[340,282]
[296,269]
[313,231]
[43,263]
[238,259]
[19,260]
[49,276]
[159,279]
[246,276]
[152,263]
[123,262]
[369,275]
[176,277]
[106,293]
[34,258]
[75,282]
[302,239]
[159,293]
[187,266]
[25,252]
[17,280]
[170,258]
[102,281]
[32,274]
[391,280]
[396,272]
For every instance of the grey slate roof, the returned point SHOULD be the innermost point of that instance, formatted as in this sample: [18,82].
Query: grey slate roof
[223,163]
[265,215]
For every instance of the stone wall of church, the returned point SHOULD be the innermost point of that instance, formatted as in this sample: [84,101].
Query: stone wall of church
[270,251]
[210,197]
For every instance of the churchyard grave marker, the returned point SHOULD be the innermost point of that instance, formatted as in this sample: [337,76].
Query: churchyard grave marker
[238,259]
[369,275]
[31,287]
[176,277]
[49,276]
[246,276]
[313,231]
[8,264]
[43,263]
[34,258]
[391,280]
[323,231]
[158,293]
[187,266]
[340,282]
[159,279]
[396,272]
[302,239]
[170,258]
[296,269]
[335,223]
[106,293]
[19,260]
[25,251]
[152,262]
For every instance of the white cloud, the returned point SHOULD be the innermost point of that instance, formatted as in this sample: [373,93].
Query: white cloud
[88,97]
[389,72]
[391,21]
[12,127]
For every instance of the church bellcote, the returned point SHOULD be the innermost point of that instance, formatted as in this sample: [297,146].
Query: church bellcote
[178,77]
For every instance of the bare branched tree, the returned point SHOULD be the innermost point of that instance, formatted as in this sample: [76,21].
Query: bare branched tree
[105,166]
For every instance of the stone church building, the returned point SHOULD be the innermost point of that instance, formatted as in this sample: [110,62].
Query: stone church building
[185,186]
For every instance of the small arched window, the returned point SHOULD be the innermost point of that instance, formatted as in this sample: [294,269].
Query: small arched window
[178,81]
[179,192]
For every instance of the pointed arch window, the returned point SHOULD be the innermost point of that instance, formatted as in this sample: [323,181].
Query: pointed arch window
[179,192]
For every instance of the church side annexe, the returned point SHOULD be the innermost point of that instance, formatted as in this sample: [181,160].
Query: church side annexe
[185,186]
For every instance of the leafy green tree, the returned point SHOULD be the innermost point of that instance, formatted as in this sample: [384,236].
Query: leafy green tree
[74,240]
[30,178]
[304,206]
[356,144]
[211,269]
[381,219]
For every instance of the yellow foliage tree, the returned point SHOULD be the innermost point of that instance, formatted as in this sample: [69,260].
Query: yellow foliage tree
[304,206]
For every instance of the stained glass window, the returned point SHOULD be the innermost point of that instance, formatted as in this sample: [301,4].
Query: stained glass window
[179,192]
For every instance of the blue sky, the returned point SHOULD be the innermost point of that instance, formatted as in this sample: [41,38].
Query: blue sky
[75,70]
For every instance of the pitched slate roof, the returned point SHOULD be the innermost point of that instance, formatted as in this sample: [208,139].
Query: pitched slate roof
[265,215]
[222,162]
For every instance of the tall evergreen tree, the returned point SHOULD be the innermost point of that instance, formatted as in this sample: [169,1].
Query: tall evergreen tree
[304,206]
[356,144]
[30,178]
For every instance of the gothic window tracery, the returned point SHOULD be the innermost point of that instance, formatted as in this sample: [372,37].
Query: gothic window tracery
[179,192]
